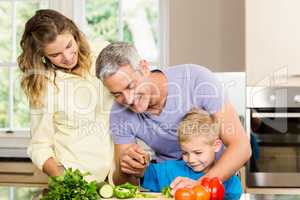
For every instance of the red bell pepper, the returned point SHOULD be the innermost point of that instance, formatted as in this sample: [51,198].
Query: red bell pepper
[215,187]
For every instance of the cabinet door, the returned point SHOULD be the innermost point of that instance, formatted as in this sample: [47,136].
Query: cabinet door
[278,159]
[272,42]
[21,173]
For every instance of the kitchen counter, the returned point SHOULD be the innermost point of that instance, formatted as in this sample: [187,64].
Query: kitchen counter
[21,173]
[35,193]
[16,169]
[269,197]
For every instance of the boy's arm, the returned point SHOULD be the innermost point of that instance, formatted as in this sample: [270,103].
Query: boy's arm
[152,177]
[159,175]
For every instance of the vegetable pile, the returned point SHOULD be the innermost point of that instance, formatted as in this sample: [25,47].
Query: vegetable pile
[208,189]
[72,185]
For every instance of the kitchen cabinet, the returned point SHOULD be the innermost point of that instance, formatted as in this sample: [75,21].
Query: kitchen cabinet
[16,168]
[16,173]
[272,42]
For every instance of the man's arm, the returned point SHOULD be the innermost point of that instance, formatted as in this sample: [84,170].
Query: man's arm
[238,149]
[131,162]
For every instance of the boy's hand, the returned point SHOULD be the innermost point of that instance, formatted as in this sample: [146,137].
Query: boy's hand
[181,182]
[134,160]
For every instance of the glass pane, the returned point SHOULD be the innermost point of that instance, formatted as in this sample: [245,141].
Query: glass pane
[25,193]
[20,193]
[3,97]
[21,105]
[4,193]
[5,31]
[101,16]
[25,9]
[141,26]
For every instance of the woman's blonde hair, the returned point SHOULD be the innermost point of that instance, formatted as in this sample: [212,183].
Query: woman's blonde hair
[40,30]
[197,123]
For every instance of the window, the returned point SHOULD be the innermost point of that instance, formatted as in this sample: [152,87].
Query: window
[135,21]
[14,109]
[14,114]
[20,193]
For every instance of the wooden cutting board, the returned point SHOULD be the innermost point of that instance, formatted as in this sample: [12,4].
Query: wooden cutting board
[159,196]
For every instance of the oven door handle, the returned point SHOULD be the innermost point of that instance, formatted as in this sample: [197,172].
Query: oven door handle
[275,115]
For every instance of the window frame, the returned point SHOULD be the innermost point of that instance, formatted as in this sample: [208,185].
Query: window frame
[10,131]
[76,11]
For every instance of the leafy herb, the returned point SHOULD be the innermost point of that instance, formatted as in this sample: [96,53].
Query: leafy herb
[71,186]
[166,191]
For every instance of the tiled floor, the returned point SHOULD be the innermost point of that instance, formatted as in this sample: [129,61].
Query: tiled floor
[269,197]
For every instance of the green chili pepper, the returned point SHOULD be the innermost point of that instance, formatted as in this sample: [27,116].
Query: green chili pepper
[125,191]
[166,191]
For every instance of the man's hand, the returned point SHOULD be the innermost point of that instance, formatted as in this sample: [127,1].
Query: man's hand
[134,160]
[181,182]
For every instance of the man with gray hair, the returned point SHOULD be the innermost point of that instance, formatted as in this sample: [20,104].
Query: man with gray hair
[150,103]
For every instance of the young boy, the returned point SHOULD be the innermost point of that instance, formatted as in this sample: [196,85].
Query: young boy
[197,127]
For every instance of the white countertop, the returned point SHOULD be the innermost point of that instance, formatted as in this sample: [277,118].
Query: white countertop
[14,145]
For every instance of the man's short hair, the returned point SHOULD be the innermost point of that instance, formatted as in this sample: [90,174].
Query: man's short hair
[114,56]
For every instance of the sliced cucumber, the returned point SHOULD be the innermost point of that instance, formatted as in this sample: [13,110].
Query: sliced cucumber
[105,190]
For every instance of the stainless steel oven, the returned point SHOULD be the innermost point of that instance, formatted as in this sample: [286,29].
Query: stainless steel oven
[273,123]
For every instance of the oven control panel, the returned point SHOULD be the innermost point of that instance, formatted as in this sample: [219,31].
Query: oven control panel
[273,97]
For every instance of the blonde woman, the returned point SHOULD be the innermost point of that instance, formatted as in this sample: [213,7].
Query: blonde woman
[69,107]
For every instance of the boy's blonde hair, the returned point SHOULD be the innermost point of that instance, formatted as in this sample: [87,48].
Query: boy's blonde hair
[198,123]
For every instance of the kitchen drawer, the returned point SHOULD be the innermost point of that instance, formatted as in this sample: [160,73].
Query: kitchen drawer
[21,173]
[279,159]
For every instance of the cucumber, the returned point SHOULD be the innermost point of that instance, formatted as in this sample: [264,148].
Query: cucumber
[105,190]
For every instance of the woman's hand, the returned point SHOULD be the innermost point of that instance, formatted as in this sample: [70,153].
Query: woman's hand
[51,168]
[181,182]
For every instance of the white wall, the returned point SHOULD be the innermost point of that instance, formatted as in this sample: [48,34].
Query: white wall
[209,33]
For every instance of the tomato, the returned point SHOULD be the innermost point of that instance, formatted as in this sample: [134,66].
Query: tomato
[184,194]
[201,193]
[205,183]
[217,189]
